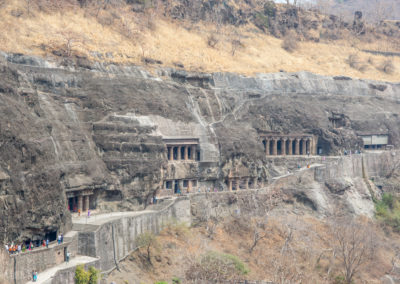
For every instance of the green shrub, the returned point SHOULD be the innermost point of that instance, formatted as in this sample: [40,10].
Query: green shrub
[176,280]
[387,210]
[219,267]
[81,276]
[93,275]
[270,9]
[180,229]
[86,277]
[261,21]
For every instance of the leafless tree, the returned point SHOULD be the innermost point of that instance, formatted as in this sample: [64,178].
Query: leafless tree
[71,40]
[354,244]
[285,265]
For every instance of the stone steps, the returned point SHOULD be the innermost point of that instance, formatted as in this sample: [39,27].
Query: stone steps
[47,276]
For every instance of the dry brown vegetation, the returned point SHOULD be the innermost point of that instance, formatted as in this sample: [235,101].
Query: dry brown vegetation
[54,28]
[295,249]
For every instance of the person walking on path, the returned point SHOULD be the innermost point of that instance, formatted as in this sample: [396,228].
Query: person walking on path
[62,238]
[47,243]
[88,213]
[67,257]
[59,239]
[79,212]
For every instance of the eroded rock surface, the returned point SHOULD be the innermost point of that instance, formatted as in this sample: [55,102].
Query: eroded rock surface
[69,128]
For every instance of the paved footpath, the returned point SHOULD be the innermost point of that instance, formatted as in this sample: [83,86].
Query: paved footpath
[99,219]
[45,276]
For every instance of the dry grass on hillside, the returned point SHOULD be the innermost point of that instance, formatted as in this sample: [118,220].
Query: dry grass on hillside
[129,37]
[304,257]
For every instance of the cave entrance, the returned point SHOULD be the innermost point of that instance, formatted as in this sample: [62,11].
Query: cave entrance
[301,147]
[323,147]
[279,147]
[182,153]
[51,236]
[176,187]
[175,153]
[72,204]
[169,153]
[190,153]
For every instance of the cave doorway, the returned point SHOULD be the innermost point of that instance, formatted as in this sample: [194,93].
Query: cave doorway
[169,153]
[301,147]
[72,204]
[271,147]
[323,147]
[190,153]
[279,147]
[51,236]
[182,153]
[176,187]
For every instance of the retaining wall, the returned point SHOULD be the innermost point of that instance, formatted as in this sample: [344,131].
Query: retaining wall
[38,259]
[114,240]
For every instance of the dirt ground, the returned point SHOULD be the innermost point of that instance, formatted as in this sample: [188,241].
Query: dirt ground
[298,249]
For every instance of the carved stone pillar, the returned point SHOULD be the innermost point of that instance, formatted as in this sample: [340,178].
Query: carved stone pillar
[254,182]
[297,146]
[179,156]
[290,150]
[267,142]
[247,183]
[186,150]
[283,146]
[274,146]
[80,199]
[229,184]
[180,185]
[308,144]
[193,150]
[303,147]
[87,202]
[189,185]
[171,153]
[237,183]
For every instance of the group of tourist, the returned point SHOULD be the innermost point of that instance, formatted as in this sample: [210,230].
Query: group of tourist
[15,249]
[34,275]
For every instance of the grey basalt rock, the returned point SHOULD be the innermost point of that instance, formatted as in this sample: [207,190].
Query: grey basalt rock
[102,128]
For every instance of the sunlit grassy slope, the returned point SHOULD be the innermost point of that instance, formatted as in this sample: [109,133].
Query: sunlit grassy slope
[128,39]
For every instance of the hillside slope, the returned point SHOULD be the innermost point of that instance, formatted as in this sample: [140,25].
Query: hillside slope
[179,36]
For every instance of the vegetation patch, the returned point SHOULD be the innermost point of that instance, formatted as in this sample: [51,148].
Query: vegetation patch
[388,211]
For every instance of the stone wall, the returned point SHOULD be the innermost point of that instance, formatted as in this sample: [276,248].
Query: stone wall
[114,240]
[67,275]
[38,259]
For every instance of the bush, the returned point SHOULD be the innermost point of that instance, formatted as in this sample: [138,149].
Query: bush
[217,267]
[290,42]
[261,21]
[388,67]
[387,211]
[178,229]
[147,241]
[212,40]
[270,9]
[86,277]
[355,62]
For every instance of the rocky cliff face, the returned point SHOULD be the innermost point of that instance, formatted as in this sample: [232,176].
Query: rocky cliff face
[101,127]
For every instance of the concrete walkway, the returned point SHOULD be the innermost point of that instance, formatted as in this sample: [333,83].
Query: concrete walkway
[45,276]
[106,217]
